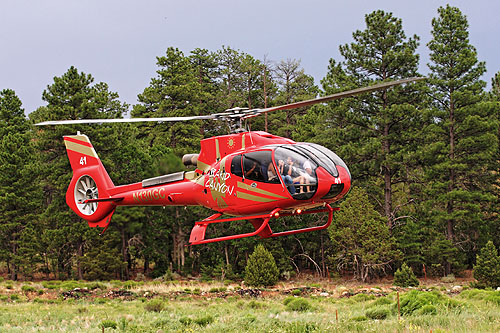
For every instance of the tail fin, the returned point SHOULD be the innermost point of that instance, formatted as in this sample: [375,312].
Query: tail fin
[90,182]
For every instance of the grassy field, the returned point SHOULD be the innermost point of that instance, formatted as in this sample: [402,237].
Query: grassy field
[73,306]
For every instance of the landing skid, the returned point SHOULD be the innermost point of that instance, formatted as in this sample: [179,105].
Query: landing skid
[260,223]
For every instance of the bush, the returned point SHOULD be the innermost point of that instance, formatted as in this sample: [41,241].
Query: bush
[415,300]
[378,313]
[382,301]
[450,278]
[404,277]
[155,305]
[28,289]
[427,309]
[204,321]
[288,300]
[362,297]
[298,304]
[487,268]
[107,324]
[261,269]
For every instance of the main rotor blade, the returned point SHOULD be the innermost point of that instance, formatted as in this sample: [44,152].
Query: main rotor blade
[122,120]
[344,94]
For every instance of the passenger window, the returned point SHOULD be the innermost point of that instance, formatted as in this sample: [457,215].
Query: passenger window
[236,166]
[259,166]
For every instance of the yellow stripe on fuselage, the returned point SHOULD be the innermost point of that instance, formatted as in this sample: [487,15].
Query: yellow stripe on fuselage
[251,197]
[260,191]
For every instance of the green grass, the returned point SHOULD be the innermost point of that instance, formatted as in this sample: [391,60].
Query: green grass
[471,311]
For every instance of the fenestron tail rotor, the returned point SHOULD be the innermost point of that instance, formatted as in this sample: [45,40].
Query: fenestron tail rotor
[85,189]
[236,115]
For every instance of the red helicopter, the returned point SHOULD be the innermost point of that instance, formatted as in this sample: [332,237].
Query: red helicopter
[248,175]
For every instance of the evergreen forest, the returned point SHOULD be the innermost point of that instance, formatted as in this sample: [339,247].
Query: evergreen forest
[424,158]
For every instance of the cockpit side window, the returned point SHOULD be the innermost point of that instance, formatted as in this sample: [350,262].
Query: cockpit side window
[259,166]
[236,166]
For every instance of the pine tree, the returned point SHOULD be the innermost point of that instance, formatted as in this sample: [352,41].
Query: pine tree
[404,277]
[361,239]
[462,135]
[261,270]
[487,267]
[375,134]
[72,96]
[19,195]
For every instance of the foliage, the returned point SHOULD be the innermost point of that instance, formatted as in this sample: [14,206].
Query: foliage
[361,238]
[298,304]
[414,300]
[487,267]
[379,313]
[404,277]
[108,324]
[426,155]
[154,305]
[461,137]
[261,268]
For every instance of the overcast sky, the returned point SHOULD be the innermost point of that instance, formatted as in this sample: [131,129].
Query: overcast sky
[117,41]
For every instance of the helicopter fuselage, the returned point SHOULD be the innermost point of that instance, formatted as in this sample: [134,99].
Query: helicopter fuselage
[243,174]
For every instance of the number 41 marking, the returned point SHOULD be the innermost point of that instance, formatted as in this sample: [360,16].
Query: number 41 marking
[83,160]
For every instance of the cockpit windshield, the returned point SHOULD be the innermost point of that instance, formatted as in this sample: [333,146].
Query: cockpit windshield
[330,155]
[297,171]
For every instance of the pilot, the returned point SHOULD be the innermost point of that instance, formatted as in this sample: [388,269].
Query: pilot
[253,173]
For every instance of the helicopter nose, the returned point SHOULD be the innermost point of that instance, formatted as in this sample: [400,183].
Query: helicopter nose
[339,186]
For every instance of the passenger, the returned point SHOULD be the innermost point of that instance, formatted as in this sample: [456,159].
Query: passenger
[271,173]
[308,175]
[292,171]
[286,178]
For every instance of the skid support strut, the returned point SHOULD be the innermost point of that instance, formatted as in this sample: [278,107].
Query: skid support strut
[260,223]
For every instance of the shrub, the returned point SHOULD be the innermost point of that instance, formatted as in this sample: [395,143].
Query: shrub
[107,324]
[378,313]
[155,305]
[487,267]
[362,297]
[185,320]
[382,301]
[288,300]
[450,278]
[427,309]
[298,304]
[415,300]
[261,269]
[14,297]
[296,292]
[404,277]
[28,289]
[204,321]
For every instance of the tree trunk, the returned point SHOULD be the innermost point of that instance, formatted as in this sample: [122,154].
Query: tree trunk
[126,273]
[13,270]
[78,263]
[451,186]
[386,147]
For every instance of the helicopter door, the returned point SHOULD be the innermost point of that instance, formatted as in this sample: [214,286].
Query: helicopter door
[259,167]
